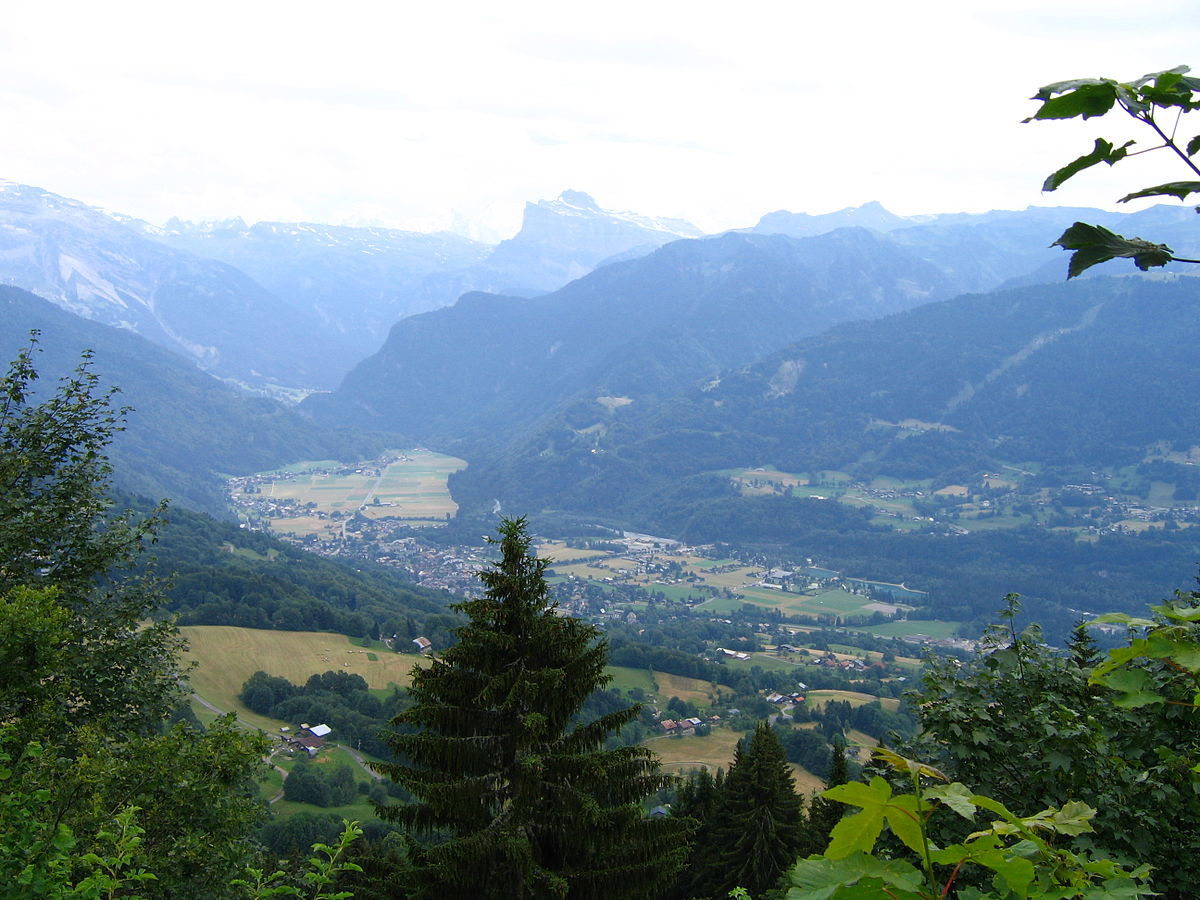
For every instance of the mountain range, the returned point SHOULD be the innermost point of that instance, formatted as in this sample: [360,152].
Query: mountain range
[288,307]
[844,342]
[1055,374]
[630,331]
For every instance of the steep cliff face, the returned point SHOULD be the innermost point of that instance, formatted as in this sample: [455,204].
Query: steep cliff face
[565,238]
[97,266]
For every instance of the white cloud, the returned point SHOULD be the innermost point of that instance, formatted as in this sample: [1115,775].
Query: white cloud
[407,113]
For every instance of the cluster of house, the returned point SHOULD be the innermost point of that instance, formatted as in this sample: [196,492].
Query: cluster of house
[832,662]
[686,726]
[794,697]
[309,738]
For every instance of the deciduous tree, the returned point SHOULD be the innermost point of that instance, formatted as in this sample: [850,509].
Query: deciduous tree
[1157,102]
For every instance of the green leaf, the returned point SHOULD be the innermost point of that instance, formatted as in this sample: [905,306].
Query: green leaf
[905,821]
[1061,87]
[906,765]
[1094,244]
[1073,818]
[1180,189]
[859,831]
[855,793]
[956,796]
[1016,872]
[1135,700]
[1090,98]
[1128,681]
[818,879]
[1102,152]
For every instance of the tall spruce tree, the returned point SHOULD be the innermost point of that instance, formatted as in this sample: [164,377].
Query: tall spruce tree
[492,750]
[756,826]
[765,815]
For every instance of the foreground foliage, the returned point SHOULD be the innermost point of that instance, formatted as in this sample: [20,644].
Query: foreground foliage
[101,796]
[530,803]
[1156,102]
[1019,853]
[1026,724]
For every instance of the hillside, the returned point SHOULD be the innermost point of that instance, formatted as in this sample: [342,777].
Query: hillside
[105,268]
[631,332]
[1052,373]
[1047,381]
[184,427]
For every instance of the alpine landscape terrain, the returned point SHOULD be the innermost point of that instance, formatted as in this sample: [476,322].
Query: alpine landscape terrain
[614,558]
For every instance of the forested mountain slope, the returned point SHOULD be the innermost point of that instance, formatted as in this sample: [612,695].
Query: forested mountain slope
[625,335]
[184,426]
[1053,373]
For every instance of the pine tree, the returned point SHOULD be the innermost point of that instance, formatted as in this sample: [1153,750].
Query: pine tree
[532,804]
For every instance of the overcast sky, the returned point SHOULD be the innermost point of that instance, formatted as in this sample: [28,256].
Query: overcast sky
[414,115]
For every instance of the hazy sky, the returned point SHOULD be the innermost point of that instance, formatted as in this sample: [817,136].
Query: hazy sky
[412,114]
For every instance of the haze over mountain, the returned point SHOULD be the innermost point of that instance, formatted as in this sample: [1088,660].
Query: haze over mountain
[289,305]
[629,331]
[1051,374]
[356,282]
[565,238]
[982,251]
[97,266]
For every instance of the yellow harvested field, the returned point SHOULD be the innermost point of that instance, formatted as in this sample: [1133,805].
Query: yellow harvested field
[681,754]
[856,698]
[806,782]
[693,690]
[714,751]
[227,656]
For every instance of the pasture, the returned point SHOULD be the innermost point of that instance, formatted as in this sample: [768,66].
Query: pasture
[227,656]
[910,627]
[694,690]
[412,488]
[626,679]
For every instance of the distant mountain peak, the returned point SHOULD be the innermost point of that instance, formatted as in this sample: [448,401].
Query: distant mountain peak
[871,215]
[578,198]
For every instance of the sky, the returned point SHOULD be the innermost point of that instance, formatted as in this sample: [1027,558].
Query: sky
[454,114]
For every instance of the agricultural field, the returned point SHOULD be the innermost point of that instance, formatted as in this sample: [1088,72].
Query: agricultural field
[626,679]
[694,690]
[914,627]
[412,487]
[226,657]
[718,585]
[662,686]
[855,698]
[713,751]
[764,480]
